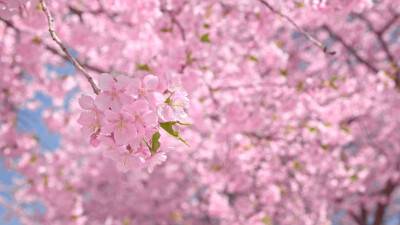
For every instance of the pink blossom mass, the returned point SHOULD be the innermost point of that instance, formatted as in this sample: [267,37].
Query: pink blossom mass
[214,112]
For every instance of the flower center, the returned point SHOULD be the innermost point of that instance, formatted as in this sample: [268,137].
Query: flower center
[121,125]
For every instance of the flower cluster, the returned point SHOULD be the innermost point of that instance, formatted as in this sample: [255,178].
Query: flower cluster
[126,116]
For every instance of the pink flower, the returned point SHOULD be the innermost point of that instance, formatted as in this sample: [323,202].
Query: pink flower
[113,92]
[154,160]
[144,117]
[173,107]
[121,125]
[157,159]
[90,120]
[124,159]
[149,84]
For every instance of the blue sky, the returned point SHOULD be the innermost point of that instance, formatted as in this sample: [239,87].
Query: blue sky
[31,121]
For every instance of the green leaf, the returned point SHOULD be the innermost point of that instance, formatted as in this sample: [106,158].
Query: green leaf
[183,124]
[189,59]
[127,221]
[283,72]
[207,26]
[33,159]
[205,38]
[155,144]
[74,217]
[354,177]
[168,127]
[143,67]
[332,82]
[300,5]
[313,129]
[266,220]
[168,100]
[166,30]
[345,128]
[45,180]
[253,58]
[296,165]
[208,12]
[37,40]
[300,86]
[324,147]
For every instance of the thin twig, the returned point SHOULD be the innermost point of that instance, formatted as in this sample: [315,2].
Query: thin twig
[350,49]
[384,45]
[65,50]
[301,30]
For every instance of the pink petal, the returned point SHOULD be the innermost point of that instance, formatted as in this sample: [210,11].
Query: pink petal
[111,116]
[86,130]
[94,141]
[108,129]
[123,82]
[116,105]
[134,86]
[86,102]
[86,118]
[106,82]
[150,82]
[125,99]
[140,106]
[150,119]
[123,136]
[103,101]
[128,117]
[112,154]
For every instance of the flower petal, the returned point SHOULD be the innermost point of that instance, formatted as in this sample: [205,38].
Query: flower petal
[150,82]
[106,82]
[86,102]
[103,101]
[123,82]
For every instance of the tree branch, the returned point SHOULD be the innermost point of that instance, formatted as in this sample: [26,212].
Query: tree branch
[379,36]
[65,50]
[301,30]
[350,49]
[380,211]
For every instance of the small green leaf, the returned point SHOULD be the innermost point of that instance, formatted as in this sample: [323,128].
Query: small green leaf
[168,100]
[144,67]
[168,127]
[345,128]
[296,165]
[45,180]
[266,220]
[74,217]
[332,82]
[283,72]
[127,221]
[313,129]
[300,5]
[166,30]
[155,144]
[300,86]
[189,59]
[354,177]
[324,147]
[205,38]
[215,168]
[183,124]
[207,26]
[37,40]
[33,159]
[253,58]
[208,12]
